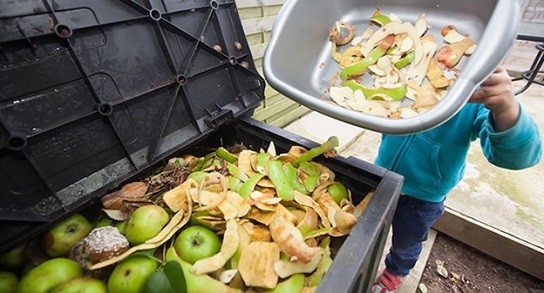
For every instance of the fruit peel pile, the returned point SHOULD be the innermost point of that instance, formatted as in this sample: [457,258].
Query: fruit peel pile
[409,73]
[201,223]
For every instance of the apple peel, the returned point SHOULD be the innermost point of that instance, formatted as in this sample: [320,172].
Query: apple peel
[290,239]
[227,275]
[285,269]
[344,221]
[214,182]
[231,240]
[245,159]
[241,205]
[259,273]
[176,198]
[394,28]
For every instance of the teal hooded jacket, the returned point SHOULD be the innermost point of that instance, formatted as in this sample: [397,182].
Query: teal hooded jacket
[433,162]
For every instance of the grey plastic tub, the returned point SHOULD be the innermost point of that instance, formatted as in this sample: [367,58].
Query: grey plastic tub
[297,60]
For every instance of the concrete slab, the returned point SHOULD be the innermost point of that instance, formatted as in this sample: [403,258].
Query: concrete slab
[318,127]
[510,201]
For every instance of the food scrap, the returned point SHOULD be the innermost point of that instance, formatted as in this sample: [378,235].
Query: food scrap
[208,219]
[395,69]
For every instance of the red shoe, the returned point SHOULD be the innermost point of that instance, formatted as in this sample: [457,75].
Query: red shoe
[386,283]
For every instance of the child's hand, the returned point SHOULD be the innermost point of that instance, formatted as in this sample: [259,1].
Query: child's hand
[497,94]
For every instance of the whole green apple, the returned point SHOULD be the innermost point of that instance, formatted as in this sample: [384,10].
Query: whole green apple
[131,274]
[49,275]
[8,282]
[198,283]
[145,223]
[196,242]
[14,258]
[65,234]
[81,285]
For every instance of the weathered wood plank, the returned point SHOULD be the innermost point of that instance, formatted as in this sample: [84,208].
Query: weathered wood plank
[249,13]
[273,99]
[496,243]
[293,115]
[257,25]
[255,39]
[258,3]
[269,111]
[257,50]
[284,111]
[270,91]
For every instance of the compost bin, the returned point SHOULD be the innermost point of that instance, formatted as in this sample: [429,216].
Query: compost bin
[95,94]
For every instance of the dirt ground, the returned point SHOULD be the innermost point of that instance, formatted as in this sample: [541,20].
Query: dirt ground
[469,270]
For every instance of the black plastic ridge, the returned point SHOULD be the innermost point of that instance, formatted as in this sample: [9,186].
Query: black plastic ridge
[80,112]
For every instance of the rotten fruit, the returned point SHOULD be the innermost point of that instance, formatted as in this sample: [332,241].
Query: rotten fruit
[64,235]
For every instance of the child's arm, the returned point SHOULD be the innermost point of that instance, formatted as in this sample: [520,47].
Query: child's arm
[508,135]
[498,96]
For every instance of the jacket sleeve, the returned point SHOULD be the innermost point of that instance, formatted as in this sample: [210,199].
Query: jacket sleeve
[516,148]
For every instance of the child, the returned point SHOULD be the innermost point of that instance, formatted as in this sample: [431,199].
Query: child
[433,162]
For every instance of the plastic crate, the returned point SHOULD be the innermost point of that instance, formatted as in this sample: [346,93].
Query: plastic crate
[357,256]
[94,94]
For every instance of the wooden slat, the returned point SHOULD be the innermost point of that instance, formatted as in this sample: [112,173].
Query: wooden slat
[293,115]
[249,13]
[257,50]
[274,109]
[273,99]
[255,39]
[271,10]
[270,91]
[277,115]
[257,25]
[496,243]
[258,3]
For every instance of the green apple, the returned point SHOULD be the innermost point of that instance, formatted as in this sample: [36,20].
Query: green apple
[49,275]
[8,282]
[198,283]
[65,234]
[293,284]
[145,223]
[338,191]
[131,274]
[196,242]
[81,285]
[14,258]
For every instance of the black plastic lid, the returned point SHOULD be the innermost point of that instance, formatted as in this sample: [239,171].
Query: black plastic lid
[93,92]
